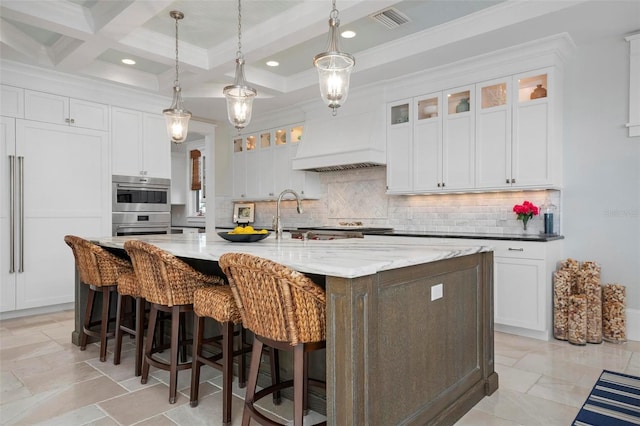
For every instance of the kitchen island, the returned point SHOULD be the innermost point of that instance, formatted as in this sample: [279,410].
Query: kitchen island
[409,324]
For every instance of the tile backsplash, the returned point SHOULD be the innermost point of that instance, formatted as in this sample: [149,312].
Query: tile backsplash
[359,194]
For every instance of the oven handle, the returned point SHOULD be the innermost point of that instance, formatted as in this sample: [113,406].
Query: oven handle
[147,186]
[119,227]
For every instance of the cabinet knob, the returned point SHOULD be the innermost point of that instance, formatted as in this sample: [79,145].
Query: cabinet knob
[443,184]
[438,184]
[66,120]
[507,181]
[513,181]
[73,121]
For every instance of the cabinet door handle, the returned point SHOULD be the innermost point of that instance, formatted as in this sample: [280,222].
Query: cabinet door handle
[66,120]
[516,249]
[12,209]
[21,207]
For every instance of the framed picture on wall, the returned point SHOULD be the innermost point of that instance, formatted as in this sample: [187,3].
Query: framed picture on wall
[243,212]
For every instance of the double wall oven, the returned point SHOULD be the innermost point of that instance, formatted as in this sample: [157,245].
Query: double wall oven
[141,205]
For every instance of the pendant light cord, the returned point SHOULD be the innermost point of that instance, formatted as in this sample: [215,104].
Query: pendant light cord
[334,11]
[176,82]
[239,52]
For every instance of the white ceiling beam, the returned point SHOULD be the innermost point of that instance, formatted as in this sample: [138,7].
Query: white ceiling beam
[23,45]
[64,18]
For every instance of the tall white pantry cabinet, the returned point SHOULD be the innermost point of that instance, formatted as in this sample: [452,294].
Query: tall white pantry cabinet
[57,161]
[54,182]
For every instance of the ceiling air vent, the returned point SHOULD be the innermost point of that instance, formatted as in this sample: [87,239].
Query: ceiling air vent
[390,18]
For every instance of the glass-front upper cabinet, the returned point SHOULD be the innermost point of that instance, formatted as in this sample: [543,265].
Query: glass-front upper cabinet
[296,134]
[428,108]
[459,102]
[237,145]
[400,113]
[251,143]
[281,137]
[533,87]
[493,95]
[265,140]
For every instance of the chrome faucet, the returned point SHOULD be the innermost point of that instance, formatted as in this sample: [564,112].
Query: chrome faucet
[277,223]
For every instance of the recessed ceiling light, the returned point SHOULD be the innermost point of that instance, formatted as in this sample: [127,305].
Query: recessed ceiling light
[348,34]
[128,61]
[273,63]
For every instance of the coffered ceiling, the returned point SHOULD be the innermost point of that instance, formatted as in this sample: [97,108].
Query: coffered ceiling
[91,37]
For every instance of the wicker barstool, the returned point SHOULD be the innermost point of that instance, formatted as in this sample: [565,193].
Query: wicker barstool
[218,303]
[130,289]
[285,310]
[168,285]
[100,270]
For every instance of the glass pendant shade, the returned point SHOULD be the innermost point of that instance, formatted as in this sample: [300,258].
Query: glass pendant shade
[334,68]
[177,118]
[239,98]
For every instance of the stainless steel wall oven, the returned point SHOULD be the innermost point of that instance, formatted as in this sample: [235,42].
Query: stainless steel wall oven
[141,205]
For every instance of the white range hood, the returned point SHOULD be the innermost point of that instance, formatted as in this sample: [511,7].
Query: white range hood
[343,142]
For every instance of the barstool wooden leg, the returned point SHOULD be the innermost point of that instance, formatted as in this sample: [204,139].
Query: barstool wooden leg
[139,327]
[198,326]
[305,381]
[104,327]
[242,365]
[254,370]
[87,318]
[274,360]
[175,346]
[148,343]
[298,384]
[119,316]
[227,371]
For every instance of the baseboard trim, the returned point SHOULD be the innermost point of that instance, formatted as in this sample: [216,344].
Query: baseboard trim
[37,311]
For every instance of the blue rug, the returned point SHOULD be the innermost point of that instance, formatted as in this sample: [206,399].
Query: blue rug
[614,400]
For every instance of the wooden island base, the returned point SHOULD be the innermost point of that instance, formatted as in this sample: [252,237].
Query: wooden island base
[397,357]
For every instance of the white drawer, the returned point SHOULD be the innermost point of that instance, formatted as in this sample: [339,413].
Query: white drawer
[518,249]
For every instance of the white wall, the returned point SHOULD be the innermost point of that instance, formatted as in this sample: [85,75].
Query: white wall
[601,195]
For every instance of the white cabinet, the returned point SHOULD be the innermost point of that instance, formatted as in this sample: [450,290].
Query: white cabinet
[140,145]
[179,178]
[400,146]
[523,281]
[515,132]
[66,190]
[55,109]
[239,166]
[522,284]
[262,165]
[495,135]
[11,101]
[430,143]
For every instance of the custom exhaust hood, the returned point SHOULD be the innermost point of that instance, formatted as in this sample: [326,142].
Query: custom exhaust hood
[343,142]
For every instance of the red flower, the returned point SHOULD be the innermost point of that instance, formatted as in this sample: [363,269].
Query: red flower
[526,211]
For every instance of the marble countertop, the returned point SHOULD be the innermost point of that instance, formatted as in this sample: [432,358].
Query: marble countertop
[478,236]
[346,258]
[539,237]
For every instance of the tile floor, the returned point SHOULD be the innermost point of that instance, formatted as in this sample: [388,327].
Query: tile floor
[47,380]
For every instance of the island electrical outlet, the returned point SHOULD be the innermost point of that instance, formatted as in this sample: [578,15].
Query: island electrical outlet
[436,292]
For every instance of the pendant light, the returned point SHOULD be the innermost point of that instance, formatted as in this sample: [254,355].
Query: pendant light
[177,117]
[334,67]
[239,95]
